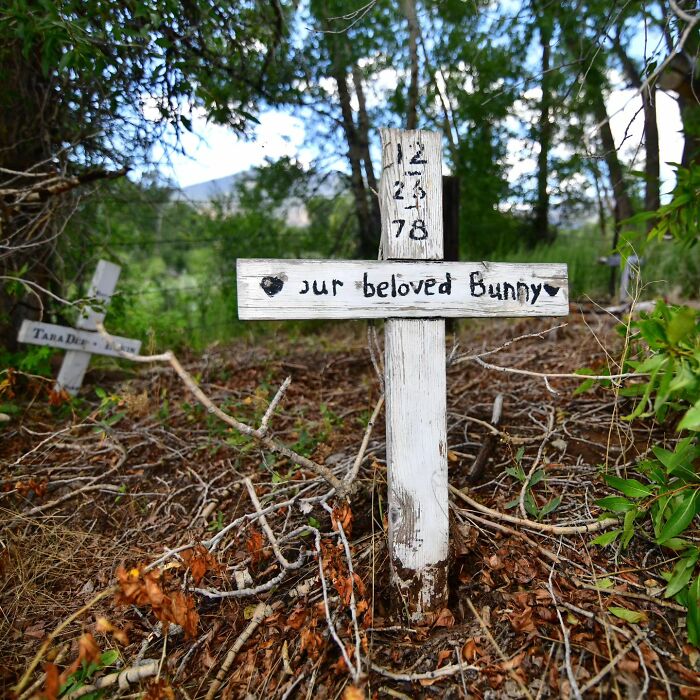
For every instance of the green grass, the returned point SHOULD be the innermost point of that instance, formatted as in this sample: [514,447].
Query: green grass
[580,251]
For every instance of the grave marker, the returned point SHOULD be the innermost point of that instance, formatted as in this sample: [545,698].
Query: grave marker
[82,341]
[415,291]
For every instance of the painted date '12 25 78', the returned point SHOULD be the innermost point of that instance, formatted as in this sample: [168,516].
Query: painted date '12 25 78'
[414,194]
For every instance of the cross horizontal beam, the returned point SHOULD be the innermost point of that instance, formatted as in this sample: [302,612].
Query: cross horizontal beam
[74,339]
[343,289]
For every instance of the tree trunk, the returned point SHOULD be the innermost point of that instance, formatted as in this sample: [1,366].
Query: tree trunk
[544,134]
[368,235]
[409,10]
[652,196]
[623,203]
[363,136]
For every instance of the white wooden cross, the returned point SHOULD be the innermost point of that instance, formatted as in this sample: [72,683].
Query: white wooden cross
[415,291]
[82,341]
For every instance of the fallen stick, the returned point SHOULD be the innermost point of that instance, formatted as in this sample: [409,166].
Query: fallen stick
[261,612]
[123,678]
[593,526]
[442,672]
[479,464]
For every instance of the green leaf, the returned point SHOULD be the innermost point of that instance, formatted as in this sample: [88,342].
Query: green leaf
[683,379]
[109,657]
[628,527]
[537,477]
[693,620]
[313,522]
[550,506]
[607,537]
[628,615]
[691,419]
[683,512]
[630,487]
[615,504]
[681,325]
[639,408]
[604,583]
[681,574]
[664,389]
[530,505]
[686,451]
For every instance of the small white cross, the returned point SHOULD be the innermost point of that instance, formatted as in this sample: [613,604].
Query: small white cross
[82,341]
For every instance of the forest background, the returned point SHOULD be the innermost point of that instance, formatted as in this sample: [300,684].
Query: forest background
[95,92]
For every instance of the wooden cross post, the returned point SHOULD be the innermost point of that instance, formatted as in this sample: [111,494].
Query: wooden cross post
[415,291]
[82,341]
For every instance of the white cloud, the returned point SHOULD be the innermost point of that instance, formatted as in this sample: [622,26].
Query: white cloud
[627,124]
[214,151]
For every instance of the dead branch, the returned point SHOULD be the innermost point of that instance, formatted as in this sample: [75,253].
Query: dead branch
[258,434]
[352,474]
[122,678]
[443,672]
[284,563]
[261,612]
[594,526]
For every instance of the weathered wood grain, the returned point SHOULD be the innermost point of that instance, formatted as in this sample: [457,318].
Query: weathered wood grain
[415,376]
[300,289]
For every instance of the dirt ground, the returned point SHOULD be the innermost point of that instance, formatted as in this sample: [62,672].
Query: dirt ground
[264,585]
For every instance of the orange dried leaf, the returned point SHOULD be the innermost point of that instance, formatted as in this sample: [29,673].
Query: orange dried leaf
[56,398]
[255,545]
[52,684]
[199,561]
[159,689]
[343,515]
[443,655]
[104,626]
[445,619]
[296,618]
[88,650]
[352,692]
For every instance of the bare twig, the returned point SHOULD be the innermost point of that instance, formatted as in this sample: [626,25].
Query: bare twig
[557,375]
[593,526]
[485,629]
[353,604]
[273,405]
[122,678]
[443,672]
[284,563]
[352,474]
[326,605]
[261,612]
[576,691]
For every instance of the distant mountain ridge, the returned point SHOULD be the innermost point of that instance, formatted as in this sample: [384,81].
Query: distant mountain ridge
[202,194]
[211,189]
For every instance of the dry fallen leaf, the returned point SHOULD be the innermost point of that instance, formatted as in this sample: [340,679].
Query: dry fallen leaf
[443,655]
[352,692]
[52,684]
[445,618]
[104,626]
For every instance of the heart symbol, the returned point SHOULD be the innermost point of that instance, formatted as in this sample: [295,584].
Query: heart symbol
[550,290]
[271,285]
